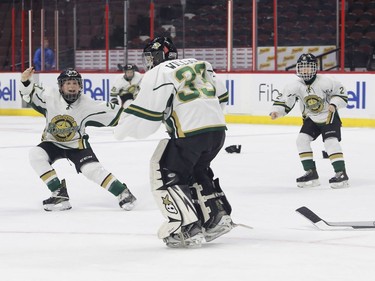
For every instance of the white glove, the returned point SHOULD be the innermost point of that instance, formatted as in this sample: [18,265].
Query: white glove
[26,78]
[274,115]
[27,74]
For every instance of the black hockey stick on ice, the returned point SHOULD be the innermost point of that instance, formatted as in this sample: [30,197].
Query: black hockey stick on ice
[325,225]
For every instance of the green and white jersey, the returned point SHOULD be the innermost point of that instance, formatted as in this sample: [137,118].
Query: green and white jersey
[66,123]
[314,99]
[183,94]
[122,86]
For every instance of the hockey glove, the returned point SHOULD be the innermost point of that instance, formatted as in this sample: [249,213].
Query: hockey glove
[126,97]
[233,149]
[134,89]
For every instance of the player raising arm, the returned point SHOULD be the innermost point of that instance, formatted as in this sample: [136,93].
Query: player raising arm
[67,114]
[185,95]
[319,98]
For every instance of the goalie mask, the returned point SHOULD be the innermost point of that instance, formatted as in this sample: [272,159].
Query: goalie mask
[159,50]
[307,66]
[70,91]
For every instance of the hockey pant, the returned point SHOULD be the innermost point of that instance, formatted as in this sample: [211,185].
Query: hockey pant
[93,171]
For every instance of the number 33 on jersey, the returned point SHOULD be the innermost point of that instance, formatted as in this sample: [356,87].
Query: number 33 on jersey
[175,93]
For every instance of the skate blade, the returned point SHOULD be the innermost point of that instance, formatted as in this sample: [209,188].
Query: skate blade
[193,242]
[311,183]
[182,246]
[212,236]
[63,206]
[338,185]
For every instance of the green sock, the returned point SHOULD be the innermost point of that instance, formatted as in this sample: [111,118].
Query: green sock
[308,164]
[54,184]
[116,188]
[338,166]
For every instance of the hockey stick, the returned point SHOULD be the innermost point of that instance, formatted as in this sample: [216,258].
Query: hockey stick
[325,225]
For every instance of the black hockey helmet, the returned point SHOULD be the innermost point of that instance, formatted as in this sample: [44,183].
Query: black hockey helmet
[129,70]
[307,67]
[66,75]
[159,50]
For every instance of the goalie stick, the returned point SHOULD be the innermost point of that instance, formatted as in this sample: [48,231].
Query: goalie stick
[325,225]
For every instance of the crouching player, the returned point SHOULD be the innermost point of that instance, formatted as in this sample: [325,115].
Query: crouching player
[67,114]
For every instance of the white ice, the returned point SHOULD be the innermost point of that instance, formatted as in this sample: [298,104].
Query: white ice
[98,241]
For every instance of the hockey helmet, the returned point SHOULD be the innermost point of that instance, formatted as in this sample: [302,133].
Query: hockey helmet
[66,75]
[159,50]
[307,67]
[129,71]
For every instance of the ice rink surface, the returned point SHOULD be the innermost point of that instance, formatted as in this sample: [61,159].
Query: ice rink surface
[98,241]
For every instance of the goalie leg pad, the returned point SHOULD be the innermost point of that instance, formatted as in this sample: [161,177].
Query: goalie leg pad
[208,205]
[225,203]
[215,209]
[174,201]
[176,207]
[155,169]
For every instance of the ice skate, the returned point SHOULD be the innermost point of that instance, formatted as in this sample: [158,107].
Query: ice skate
[309,179]
[126,199]
[340,180]
[59,200]
[220,225]
[191,236]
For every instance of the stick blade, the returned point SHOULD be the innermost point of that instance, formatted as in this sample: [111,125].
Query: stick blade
[326,225]
[310,215]
[313,218]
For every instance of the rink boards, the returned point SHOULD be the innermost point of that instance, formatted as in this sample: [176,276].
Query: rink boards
[250,95]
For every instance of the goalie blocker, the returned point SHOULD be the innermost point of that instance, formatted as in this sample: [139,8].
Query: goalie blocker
[182,205]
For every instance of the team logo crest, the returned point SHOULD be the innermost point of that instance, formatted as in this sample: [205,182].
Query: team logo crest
[314,103]
[156,45]
[71,72]
[63,127]
[168,204]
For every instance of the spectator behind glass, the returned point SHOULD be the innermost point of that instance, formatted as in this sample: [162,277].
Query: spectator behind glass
[49,57]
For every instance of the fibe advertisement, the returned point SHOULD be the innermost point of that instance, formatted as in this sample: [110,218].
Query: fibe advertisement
[252,94]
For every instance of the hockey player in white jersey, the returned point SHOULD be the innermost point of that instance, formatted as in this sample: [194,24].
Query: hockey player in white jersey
[319,98]
[186,96]
[126,86]
[67,114]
